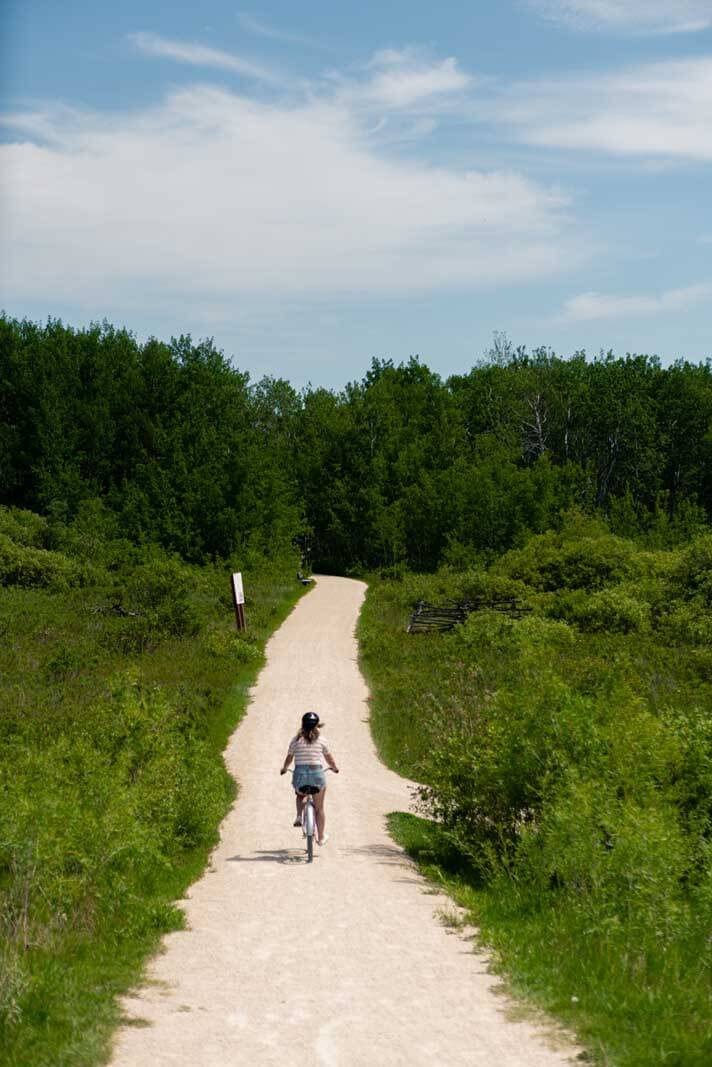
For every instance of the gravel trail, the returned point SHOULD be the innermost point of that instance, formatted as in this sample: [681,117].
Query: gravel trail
[341,963]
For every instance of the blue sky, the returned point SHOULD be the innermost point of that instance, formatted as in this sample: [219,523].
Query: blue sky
[316,185]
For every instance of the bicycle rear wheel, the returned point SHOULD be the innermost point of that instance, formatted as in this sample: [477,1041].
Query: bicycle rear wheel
[310,829]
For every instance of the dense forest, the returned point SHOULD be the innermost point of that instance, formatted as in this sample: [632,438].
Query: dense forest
[402,467]
[564,756]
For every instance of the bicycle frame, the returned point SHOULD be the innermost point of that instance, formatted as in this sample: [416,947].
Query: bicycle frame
[309,825]
[309,820]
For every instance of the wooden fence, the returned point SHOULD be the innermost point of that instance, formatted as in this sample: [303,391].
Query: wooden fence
[433,617]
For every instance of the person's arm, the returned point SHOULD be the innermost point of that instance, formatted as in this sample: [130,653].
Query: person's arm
[287,760]
[331,761]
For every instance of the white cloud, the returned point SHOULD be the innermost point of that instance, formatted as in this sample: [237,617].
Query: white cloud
[592,306]
[212,195]
[655,110]
[198,55]
[401,81]
[647,16]
[256,26]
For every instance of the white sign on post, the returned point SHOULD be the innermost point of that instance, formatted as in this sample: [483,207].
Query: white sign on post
[237,588]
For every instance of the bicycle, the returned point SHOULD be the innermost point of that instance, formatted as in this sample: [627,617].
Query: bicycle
[309,815]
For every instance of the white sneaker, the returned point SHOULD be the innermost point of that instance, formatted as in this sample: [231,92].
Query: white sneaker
[324,839]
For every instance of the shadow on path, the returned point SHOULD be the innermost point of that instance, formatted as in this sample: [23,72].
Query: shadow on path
[388,854]
[273,855]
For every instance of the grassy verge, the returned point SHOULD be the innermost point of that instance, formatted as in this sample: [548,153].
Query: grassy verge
[121,679]
[567,760]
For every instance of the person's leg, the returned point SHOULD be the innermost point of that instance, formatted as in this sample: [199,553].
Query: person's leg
[320,813]
[300,806]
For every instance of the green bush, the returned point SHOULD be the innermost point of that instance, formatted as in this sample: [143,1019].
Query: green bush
[24,527]
[36,567]
[111,776]
[567,767]
[616,859]
[489,772]
[236,648]
[610,611]
[483,629]
[693,575]
[158,591]
[687,623]
[550,562]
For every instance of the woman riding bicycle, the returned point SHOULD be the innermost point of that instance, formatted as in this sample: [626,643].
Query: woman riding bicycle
[309,751]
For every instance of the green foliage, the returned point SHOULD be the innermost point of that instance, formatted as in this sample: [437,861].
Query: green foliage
[235,648]
[571,559]
[566,760]
[169,443]
[694,573]
[610,610]
[617,859]
[24,527]
[111,773]
[159,591]
[581,488]
[35,567]
[168,440]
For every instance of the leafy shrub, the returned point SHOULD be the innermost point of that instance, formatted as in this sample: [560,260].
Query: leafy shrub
[567,762]
[616,858]
[693,576]
[63,662]
[158,591]
[550,562]
[687,622]
[490,628]
[23,527]
[610,611]
[691,727]
[491,586]
[92,820]
[131,636]
[488,773]
[234,647]
[36,567]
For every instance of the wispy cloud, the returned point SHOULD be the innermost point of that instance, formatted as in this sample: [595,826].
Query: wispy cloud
[394,80]
[592,306]
[401,80]
[213,195]
[259,28]
[198,55]
[655,110]
[646,16]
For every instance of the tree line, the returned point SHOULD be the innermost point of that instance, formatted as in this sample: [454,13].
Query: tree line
[402,467]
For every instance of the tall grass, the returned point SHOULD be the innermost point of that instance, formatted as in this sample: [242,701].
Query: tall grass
[566,759]
[121,679]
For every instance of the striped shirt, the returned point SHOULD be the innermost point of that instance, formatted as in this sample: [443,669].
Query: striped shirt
[308,755]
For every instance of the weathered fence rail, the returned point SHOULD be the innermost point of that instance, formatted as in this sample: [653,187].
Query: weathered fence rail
[444,617]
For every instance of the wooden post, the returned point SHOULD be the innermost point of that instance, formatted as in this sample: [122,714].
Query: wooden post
[238,599]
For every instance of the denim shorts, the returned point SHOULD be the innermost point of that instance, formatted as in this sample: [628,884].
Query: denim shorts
[313,776]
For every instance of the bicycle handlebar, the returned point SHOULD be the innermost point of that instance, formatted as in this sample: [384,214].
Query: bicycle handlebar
[293,769]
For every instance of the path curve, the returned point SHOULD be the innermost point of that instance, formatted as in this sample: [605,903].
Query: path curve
[340,963]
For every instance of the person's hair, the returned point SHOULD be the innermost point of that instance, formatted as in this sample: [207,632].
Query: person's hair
[310,736]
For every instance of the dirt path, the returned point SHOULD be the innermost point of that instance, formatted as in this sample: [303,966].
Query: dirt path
[340,963]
